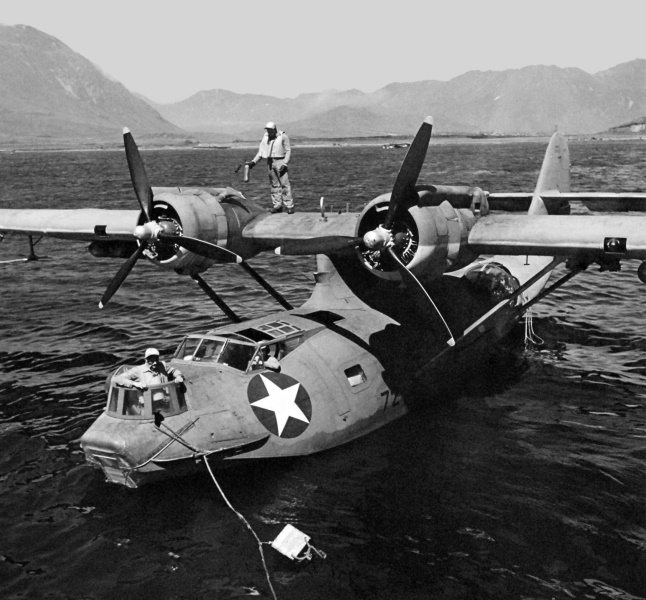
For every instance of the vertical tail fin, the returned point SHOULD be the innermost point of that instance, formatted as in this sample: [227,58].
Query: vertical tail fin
[554,175]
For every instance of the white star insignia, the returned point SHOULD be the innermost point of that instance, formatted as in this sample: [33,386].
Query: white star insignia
[281,402]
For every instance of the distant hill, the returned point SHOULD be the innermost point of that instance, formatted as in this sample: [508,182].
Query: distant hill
[531,100]
[50,93]
[638,126]
[52,96]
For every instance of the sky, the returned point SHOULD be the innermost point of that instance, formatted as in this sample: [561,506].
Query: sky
[170,50]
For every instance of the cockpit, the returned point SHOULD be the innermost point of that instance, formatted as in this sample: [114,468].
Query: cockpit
[244,350]
[131,403]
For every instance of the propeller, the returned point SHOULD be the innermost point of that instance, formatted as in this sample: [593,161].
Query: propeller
[403,196]
[144,194]
[165,233]
[151,229]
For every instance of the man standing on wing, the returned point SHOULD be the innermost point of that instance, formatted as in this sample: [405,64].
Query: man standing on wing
[275,147]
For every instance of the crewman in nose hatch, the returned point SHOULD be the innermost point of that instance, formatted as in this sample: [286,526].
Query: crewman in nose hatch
[152,372]
[275,147]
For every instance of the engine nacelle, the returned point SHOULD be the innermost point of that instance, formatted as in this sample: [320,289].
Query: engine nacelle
[215,215]
[429,239]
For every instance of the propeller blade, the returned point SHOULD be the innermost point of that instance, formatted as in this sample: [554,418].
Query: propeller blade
[121,275]
[138,174]
[202,248]
[420,295]
[319,245]
[403,194]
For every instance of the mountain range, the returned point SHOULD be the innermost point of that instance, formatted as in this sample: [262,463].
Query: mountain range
[49,93]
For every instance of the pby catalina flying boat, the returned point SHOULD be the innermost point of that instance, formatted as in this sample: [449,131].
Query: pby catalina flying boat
[408,291]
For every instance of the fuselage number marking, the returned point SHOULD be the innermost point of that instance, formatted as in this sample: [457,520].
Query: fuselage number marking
[390,398]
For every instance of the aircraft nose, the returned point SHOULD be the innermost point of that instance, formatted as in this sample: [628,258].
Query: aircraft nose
[104,447]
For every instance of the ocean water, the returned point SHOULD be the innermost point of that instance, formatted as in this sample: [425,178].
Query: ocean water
[534,491]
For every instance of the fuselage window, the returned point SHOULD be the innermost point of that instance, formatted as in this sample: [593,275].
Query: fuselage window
[355,375]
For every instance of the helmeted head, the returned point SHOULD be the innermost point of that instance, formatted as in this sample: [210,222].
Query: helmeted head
[272,363]
[151,355]
[271,126]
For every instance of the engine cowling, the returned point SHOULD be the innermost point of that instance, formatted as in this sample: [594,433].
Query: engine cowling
[429,238]
[215,215]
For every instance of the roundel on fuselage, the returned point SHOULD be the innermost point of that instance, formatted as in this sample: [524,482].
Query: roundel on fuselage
[280,403]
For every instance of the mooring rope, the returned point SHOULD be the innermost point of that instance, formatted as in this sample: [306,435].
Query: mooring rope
[241,517]
[531,337]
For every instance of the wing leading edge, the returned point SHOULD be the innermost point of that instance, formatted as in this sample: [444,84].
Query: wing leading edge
[83,224]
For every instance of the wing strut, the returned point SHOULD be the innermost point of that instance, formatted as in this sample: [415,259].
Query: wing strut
[32,252]
[574,270]
[273,292]
[222,305]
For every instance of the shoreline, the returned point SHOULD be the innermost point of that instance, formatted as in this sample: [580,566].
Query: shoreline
[317,144]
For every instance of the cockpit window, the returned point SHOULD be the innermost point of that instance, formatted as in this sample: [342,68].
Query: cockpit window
[237,355]
[224,351]
[161,400]
[133,402]
[275,350]
[209,350]
[114,399]
[129,403]
[187,348]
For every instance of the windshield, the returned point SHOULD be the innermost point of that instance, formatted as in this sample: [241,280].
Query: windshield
[130,403]
[222,351]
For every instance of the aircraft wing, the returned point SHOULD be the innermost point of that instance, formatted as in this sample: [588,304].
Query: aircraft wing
[270,231]
[623,236]
[83,224]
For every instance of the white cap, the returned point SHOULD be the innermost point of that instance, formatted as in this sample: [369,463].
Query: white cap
[151,352]
[270,125]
